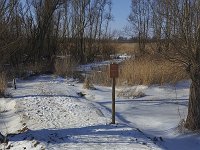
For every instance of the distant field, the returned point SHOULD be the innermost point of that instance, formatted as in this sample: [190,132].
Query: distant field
[126,47]
[130,48]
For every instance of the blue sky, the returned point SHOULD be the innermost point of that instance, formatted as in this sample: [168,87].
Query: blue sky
[120,11]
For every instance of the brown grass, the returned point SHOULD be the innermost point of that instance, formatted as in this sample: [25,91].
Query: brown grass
[150,70]
[144,70]
[88,84]
[101,77]
[24,71]
[128,48]
[64,66]
[3,84]
[133,48]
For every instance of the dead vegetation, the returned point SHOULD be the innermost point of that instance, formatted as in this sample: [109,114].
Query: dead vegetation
[3,84]
[133,92]
[151,70]
[144,70]
[101,76]
[88,84]
[64,66]
[128,48]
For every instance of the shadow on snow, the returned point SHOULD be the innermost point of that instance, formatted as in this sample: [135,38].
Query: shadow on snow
[90,134]
[42,95]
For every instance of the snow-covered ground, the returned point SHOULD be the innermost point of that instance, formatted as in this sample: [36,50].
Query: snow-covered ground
[48,112]
[159,112]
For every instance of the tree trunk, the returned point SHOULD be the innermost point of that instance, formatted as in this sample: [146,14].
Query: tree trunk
[193,117]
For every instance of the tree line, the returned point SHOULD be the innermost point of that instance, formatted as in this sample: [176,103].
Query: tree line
[34,31]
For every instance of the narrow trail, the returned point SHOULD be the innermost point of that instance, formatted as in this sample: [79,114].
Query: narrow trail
[53,106]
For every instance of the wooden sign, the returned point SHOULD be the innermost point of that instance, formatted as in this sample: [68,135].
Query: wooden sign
[114,70]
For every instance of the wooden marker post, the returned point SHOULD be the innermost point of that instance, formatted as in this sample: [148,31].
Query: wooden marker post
[114,73]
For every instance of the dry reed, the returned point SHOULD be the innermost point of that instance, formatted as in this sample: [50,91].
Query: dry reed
[150,70]
[143,70]
[3,84]
[64,66]
[101,76]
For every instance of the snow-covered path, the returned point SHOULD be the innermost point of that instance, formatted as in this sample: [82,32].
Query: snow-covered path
[157,114]
[53,116]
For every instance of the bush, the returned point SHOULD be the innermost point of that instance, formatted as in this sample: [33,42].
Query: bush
[3,84]
[132,92]
[88,84]
[64,66]
[24,71]
[101,77]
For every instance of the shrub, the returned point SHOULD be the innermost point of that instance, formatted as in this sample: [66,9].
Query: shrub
[132,92]
[88,84]
[24,71]
[3,84]
[101,76]
[64,66]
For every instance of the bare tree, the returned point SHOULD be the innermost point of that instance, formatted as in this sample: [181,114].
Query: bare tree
[44,11]
[140,21]
[34,31]
[10,30]
[175,25]
[85,23]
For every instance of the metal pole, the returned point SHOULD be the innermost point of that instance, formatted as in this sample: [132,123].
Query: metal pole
[113,101]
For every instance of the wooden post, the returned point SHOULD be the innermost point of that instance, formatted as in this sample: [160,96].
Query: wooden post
[14,83]
[113,101]
[114,73]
